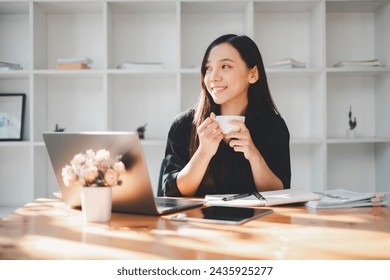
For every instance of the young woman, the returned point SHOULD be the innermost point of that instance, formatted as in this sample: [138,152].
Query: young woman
[199,159]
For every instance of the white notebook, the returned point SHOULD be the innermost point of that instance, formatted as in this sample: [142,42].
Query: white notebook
[341,198]
[270,198]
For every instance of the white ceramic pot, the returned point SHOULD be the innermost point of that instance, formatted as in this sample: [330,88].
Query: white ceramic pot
[96,203]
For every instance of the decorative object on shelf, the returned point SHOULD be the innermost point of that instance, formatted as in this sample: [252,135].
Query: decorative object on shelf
[141,131]
[12,107]
[95,173]
[59,129]
[74,63]
[352,124]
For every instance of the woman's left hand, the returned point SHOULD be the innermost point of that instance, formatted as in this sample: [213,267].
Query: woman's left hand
[241,141]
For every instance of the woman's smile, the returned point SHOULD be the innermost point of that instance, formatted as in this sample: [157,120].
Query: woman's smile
[218,89]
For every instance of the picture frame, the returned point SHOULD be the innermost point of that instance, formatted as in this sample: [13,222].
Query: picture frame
[12,110]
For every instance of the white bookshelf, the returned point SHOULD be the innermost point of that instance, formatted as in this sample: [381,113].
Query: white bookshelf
[314,101]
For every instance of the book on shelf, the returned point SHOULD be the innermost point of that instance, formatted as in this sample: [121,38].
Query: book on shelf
[141,66]
[358,63]
[72,66]
[287,63]
[10,66]
[342,198]
[71,60]
[267,198]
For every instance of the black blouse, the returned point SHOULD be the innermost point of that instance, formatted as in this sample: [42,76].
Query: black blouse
[234,174]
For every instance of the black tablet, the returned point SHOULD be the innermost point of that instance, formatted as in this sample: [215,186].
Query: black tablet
[221,214]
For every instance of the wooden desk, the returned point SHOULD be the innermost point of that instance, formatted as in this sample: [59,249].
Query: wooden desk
[46,229]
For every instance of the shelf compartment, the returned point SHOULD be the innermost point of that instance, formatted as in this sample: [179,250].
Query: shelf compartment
[369,98]
[366,23]
[136,100]
[15,34]
[142,32]
[19,84]
[15,175]
[292,30]
[307,166]
[358,167]
[76,104]
[382,166]
[202,22]
[300,102]
[68,30]
[190,90]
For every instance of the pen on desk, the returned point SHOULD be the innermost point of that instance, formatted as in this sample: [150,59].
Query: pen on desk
[259,196]
[236,196]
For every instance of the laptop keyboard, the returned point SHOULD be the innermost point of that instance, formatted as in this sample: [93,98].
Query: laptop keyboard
[161,202]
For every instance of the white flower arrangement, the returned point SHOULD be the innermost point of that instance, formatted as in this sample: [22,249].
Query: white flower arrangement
[93,169]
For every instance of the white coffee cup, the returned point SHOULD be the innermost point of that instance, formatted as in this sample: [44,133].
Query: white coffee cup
[226,126]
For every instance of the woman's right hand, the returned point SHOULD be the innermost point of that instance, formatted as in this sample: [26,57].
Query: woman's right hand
[210,135]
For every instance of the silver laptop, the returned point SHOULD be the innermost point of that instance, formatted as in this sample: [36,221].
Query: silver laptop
[135,195]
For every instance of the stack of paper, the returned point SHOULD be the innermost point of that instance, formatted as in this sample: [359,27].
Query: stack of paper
[341,198]
[268,198]
[74,63]
[10,66]
[358,64]
[287,63]
[141,66]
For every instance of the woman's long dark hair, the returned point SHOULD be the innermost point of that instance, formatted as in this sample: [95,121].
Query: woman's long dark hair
[258,93]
